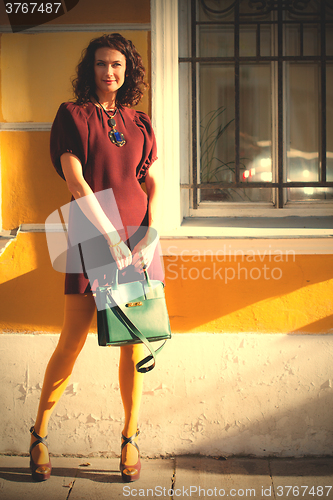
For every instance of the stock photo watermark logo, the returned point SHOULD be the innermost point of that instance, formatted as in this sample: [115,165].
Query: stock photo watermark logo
[25,15]
[77,244]
[227,264]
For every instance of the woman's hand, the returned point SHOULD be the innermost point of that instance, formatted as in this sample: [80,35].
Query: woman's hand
[121,254]
[143,252]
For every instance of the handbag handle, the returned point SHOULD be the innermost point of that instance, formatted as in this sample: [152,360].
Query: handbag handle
[115,281]
[136,332]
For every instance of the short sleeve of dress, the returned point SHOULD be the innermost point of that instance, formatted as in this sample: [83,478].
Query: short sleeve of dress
[149,148]
[69,134]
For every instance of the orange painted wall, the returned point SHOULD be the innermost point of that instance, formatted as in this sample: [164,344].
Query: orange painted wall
[256,294]
[32,189]
[1,115]
[300,301]
[31,292]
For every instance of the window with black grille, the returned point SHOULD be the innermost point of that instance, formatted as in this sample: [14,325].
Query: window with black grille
[259,80]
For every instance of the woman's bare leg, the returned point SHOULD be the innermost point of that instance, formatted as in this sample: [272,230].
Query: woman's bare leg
[131,385]
[79,311]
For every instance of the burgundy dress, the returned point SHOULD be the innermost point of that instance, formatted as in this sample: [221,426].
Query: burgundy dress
[83,131]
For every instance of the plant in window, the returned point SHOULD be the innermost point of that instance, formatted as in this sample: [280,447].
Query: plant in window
[212,167]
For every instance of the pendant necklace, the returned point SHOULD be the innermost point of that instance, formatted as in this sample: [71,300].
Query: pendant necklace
[115,137]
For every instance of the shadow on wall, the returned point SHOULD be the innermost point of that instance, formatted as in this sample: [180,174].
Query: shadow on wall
[289,431]
[265,395]
[273,294]
[322,325]
[31,292]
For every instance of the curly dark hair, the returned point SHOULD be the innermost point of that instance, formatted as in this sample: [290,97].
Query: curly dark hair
[131,92]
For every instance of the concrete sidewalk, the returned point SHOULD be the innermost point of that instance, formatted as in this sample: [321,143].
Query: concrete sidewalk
[177,477]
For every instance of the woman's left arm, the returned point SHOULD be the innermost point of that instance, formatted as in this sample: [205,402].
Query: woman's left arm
[143,252]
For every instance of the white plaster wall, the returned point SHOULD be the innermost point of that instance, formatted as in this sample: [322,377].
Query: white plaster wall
[213,394]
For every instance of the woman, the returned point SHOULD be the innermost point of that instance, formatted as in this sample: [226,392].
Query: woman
[99,143]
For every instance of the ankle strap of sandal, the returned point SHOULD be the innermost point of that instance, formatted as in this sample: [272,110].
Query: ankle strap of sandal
[129,440]
[39,438]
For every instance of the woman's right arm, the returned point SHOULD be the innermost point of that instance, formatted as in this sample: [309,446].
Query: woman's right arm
[89,205]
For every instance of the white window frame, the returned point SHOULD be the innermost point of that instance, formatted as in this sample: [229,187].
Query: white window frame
[165,117]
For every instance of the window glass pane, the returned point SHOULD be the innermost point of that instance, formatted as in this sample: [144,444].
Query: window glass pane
[311,41]
[247,41]
[329,122]
[309,194]
[292,39]
[329,10]
[329,40]
[217,116]
[237,195]
[302,112]
[216,41]
[184,28]
[256,127]
[265,41]
[185,124]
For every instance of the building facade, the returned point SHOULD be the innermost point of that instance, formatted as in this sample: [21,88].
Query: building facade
[241,102]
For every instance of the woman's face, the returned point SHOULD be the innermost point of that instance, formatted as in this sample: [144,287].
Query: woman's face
[110,68]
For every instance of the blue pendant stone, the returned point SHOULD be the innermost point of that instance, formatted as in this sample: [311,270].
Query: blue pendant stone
[117,136]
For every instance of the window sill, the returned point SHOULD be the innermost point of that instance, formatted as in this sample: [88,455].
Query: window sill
[305,235]
[266,210]
[234,234]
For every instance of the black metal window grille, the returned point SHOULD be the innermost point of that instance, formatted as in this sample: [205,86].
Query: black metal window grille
[261,17]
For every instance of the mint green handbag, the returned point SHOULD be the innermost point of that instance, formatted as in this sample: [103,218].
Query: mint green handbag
[131,313]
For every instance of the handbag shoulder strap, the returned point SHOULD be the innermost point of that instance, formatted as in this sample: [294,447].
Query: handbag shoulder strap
[137,333]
